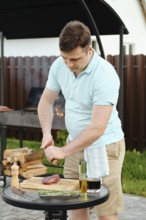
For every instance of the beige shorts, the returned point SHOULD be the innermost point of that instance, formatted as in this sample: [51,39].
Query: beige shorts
[116,153]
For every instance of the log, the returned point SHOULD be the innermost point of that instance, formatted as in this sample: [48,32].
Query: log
[31,156]
[5,162]
[22,157]
[10,152]
[24,165]
[29,161]
[34,166]
[34,172]
[7,172]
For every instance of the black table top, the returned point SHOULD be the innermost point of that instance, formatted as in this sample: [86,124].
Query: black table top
[36,203]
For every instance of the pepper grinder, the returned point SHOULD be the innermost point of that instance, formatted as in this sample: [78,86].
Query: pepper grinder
[83,177]
[15,173]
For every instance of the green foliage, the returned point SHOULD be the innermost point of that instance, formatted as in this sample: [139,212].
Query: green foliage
[14,143]
[134,173]
[135,165]
[61,138]
[135,187]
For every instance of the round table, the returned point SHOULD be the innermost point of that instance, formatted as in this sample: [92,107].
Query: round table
[55,206]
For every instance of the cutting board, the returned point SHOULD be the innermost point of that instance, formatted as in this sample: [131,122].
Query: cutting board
[62,184]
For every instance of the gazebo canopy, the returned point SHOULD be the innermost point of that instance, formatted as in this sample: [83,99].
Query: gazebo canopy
[20,19]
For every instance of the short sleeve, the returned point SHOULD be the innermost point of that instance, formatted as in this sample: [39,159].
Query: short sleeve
[106,88]
[52,82]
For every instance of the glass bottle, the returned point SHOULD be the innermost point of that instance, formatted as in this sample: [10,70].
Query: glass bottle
[83,177]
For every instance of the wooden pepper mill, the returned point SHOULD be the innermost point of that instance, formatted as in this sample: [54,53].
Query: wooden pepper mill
[15,173]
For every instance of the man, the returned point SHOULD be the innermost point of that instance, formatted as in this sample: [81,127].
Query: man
[90,87]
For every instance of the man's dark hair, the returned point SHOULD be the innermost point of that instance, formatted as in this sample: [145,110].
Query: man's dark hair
[74,34]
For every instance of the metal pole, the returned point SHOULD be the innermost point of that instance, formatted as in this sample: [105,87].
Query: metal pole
[91,20]
[121,74]
[2,69]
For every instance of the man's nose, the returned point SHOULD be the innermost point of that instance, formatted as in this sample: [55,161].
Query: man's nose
[69,63]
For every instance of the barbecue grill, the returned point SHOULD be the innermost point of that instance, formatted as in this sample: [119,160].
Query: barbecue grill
[28,117]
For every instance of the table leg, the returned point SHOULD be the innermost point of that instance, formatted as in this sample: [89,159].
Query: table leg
[58,215]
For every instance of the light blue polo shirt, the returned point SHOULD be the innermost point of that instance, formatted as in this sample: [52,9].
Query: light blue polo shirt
[98,84]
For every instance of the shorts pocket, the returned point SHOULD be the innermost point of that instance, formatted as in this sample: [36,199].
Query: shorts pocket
[112,150]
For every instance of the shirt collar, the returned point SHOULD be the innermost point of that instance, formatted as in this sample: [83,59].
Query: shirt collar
[91,64]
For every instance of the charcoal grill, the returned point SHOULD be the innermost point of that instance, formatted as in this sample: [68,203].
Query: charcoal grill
[28,118]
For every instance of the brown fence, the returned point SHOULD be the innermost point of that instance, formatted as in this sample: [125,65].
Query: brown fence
[134,100]
[23,73]
[20,75]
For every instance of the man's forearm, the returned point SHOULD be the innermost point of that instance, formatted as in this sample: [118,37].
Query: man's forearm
[86,138]
[45,114]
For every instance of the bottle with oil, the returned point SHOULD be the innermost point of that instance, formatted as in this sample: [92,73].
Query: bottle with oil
[83,177]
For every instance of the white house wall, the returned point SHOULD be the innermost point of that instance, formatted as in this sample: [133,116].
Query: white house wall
[131,13]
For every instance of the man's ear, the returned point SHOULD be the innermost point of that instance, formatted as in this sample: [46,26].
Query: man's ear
[90,49]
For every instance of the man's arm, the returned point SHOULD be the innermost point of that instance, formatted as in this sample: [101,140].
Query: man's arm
[99,121]
[45,114]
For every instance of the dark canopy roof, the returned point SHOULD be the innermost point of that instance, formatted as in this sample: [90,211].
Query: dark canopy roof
[20,19]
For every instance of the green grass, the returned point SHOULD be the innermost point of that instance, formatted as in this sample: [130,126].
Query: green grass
[14,143]
[133,173]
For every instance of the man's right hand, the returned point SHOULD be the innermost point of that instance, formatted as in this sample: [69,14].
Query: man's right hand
[47,141]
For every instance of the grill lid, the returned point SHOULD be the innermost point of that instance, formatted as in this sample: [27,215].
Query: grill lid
[33,98]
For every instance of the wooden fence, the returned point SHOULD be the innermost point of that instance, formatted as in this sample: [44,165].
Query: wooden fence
[23,73]
[134,100]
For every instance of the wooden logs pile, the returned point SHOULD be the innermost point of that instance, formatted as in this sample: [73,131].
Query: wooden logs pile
[28,160]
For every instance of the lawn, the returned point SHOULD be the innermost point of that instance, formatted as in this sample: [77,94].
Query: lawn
[134,173]
[134,168]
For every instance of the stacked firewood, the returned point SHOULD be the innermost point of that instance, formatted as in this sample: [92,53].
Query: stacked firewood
[28,160]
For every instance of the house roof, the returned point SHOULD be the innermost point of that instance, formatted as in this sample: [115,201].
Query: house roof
[20,19]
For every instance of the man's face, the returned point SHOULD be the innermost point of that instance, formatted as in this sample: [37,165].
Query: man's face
[77,59]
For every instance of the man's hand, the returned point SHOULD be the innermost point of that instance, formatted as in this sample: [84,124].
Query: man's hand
[54,153]
[47,141]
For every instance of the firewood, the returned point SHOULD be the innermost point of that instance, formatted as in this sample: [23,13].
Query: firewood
[34,166]
[29,161]
[5,162]
[7,172]
[24,157]
[10,152]
[21,170]
[15,157]
[23,165]
[31,156]
[34,172]
[8,166]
